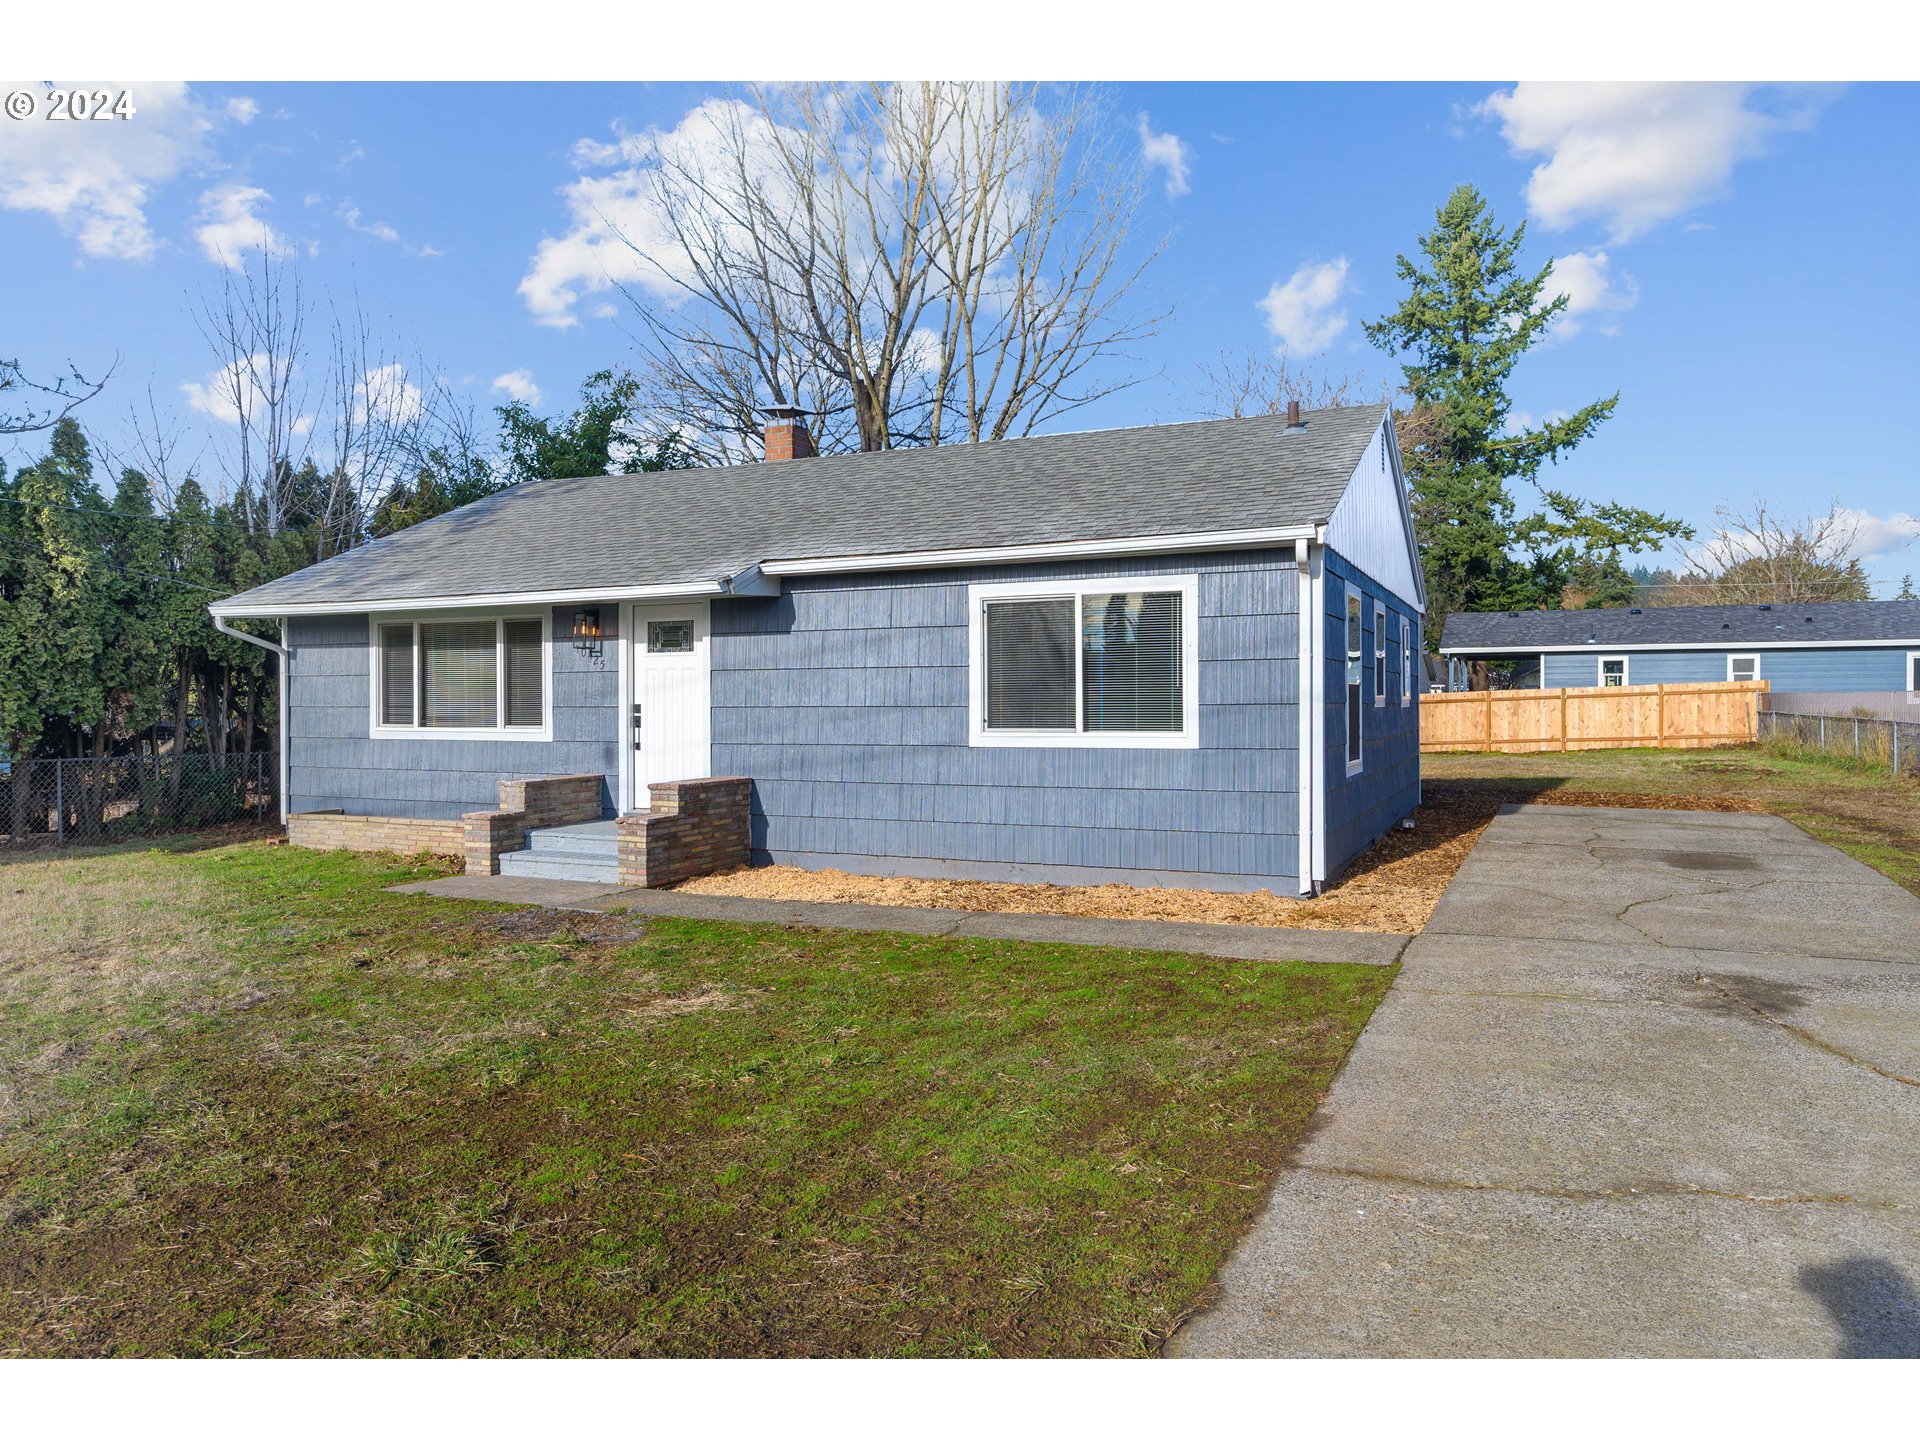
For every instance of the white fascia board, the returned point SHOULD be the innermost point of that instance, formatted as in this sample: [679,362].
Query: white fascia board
[1275,536]
[1741,646]
[699,590]
[1391,434]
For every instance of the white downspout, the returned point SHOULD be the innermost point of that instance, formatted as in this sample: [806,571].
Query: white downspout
[1303,691]
[284,652]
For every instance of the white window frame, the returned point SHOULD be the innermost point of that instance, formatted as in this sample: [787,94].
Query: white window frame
[1743,655]
[1406,662]
[1379,656]
[377,729]
[1600,671]
[1913,673]
[1349,699]
[1187,737]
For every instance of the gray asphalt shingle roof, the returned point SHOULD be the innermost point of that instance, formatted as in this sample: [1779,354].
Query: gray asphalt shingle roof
[618,531]
[1864,621]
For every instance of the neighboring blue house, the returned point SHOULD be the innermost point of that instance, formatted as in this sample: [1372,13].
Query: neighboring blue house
[1855,646]
[1071,658]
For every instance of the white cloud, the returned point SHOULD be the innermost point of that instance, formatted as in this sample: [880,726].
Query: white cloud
[379,229]
[243,109]
[96,180]
[1166,152]
[617,235]
[219,396]
[517,385]
[1595,295]
[1519,422]
[1303,313]
[1636,154]
[230,225]
[386,395]
[1880,534]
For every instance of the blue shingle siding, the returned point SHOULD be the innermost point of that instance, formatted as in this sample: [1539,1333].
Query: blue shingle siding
[845,699]
[1362,807]
[1836,668]
[332,764]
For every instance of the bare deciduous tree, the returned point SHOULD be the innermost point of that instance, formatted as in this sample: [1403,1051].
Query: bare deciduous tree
[1245,383]
[1757,558]
[910,263]
[46,402]
[255,325]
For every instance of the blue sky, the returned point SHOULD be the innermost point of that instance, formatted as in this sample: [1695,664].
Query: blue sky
[1736,254]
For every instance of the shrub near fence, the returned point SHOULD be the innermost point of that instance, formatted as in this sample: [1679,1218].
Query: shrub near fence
[1865,740]
[1595,717]
[121,797]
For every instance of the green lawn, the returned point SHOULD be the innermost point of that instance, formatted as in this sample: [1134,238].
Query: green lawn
[251,1103]
[1870,815]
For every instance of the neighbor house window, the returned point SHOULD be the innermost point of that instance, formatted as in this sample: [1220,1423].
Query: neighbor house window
[478,676]
[1613,669]
[1743,667]
[1913,671]
[1406,661]
[1356,657]
[1379,654]
[1085,662]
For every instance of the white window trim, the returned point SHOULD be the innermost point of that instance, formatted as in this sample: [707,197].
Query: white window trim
[1186,738]
[1348,700]
[1913,660]
[1743,655]
[1600,670]
[378,730]
[1379,656]
[1406,662]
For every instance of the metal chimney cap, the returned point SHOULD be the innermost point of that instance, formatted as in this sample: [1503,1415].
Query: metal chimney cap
[784,412]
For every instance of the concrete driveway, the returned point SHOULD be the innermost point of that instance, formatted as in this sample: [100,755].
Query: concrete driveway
[1648,1084]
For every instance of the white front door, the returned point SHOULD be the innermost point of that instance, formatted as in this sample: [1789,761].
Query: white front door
[671,725]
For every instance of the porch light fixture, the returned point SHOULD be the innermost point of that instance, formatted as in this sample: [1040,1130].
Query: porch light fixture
[586,631]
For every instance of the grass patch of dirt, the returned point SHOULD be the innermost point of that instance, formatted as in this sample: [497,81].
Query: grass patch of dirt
[258,1105]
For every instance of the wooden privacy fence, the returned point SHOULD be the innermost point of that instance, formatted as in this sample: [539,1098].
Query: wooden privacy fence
[1674,717]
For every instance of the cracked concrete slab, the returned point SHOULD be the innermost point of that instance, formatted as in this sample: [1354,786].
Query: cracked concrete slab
[1614,1105]
[1398,1269]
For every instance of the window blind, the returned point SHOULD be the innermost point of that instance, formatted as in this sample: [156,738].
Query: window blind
[1030,664]
[1130,661]
[459,674]
[396,675]
[520,643]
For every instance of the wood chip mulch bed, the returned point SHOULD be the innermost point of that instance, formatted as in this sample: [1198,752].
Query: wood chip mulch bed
[1391,889]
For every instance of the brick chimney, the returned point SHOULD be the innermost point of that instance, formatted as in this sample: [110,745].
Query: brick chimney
[787,435]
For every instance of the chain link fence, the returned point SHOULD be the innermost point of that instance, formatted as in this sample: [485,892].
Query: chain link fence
[123,797]
[1866,740]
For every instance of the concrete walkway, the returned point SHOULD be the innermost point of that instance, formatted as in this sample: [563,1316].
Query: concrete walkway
[1648,1084]
[1231,942]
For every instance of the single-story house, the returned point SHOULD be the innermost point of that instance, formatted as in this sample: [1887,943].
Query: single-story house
[1864,645]
[1073,658]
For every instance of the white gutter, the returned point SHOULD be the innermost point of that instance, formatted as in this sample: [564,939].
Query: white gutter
[1594,647]
[286,655]
[1303,713]
[1275,536]
[695,590]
